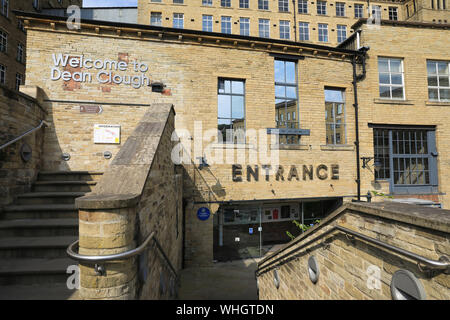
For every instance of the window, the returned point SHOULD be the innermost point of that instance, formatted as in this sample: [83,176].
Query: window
[207,2]
[231,111]
[4,10]
[36,4]
[376,12]
[359,12]
[303,6]
[321,7]
[20,53]
[178,1]
[341,33]
[408,158]
[391,78]
[3,41]
[2,74]
[286,91]
[156,1]
[226,24]
[432,4]
[283,5]
[335,116]
[393,14]
[19,81]
[20,25]
[178,20]
[264,28]
[225,3]
[243,4]
[340,9]
[156,19]
[207,23]
[438,80]
[303,29]
[323,32]
[263,4]
[244,25]
[284,29]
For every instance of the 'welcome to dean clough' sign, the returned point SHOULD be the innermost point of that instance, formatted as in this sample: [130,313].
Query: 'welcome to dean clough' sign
[104,76]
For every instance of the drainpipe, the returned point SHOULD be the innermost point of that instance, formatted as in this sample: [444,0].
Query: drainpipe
[356,79]
[295,21]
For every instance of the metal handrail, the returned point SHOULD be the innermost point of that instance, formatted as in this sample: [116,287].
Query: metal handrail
[25,134]
[117,256]
[441,264]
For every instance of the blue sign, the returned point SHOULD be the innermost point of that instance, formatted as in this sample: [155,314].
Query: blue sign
[250,230]
[203,213]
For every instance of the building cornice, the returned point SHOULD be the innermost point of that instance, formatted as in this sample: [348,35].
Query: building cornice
[410,24]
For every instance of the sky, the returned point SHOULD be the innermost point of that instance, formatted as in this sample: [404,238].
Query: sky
[109,3]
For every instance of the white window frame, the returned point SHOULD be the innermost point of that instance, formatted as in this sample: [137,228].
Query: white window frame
[244,22]
[3,41]
[302,26]
[283,25]
[176,17]
[225,3]
[393,11]
[19,80]
[359,10]
[390,85]
[340,8]
[303,6]
[207,3]
[4,10]
[340,29]
[321,5]
[322,28]
[266,24]
[156,15]
[244,4]
[208,19]
[283,5]
[263,4]
[223,22]
[438,75]
[20,52]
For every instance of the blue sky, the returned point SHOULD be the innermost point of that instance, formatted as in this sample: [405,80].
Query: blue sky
[109,3]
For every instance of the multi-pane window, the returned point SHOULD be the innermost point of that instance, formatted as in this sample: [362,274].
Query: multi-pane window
[340,9]
[19,81]
[20,25]
[341,33]
[390,72]
[303,30]
[226,24]
[438,80]
[284,29]
[393,13]
[4,9]
[321,7]
[244,4]
[264,28]
[283,5]
[407,157]
[207,23]
[286,100]
[302,6]
[335,116]
[178,20]
[207,2]
[3,41]
[156,19]
[20,53]
[2,74]
[263,4]
[376,12]
[225,3]
[178,1]
[156,0]
[244,26]
[36,4]
[323,32]
[359,12]
[231,111]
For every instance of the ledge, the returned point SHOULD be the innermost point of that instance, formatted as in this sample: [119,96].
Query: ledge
[437,103]
[107,201]
[393,101]
[341,147]
[290,147]
[232,146]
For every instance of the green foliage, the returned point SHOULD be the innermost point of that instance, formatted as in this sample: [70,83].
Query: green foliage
[302,227]
[380,194]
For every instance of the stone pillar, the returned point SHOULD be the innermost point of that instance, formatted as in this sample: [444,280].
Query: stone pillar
[107,226]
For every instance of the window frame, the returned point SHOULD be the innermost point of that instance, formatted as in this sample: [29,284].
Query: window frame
[20,52]
[390,85]
[247,23]
[358,8]
[340,9]
[3,70]
[4,9]
[19,80]
[156,14]
[339,32]
[302,6]
[3,41]
[178,19]
[283,5]
[301,28]
[225,3]
[222,24]
[207,22]
[438,75]
[334,123]
[207,3]
[263,5]
[393,11]
[244,4]
[264,24]
[283,31]
[321,5]
[319,29]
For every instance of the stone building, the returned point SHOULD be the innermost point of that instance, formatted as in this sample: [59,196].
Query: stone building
[13,37]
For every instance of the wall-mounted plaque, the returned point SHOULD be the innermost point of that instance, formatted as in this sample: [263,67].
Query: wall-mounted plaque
[107,133]
[91,109]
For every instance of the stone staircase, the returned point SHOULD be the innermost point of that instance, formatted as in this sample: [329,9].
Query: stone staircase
[35,232]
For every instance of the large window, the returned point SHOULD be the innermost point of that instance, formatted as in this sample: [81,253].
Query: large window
[303,30]
[178,20]
[2,74]
[231,110]
[4,9]
[226,24]
[393,13]
[244,26]
[335,116]
[225,3]
[391,78]
[321,7]
[243,4]
[407,157]
[323,32]
[156,19]
[340,9]
[438,80]
[286,101]
[263,4]
[359,12]
[264,28]
[206,2]
[3,41]
[341,33]
[207,23]
[283,5]
[284,29]
[302,6]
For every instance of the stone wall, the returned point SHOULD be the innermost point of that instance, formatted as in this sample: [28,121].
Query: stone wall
[140,193]
[18,114]
[352,268]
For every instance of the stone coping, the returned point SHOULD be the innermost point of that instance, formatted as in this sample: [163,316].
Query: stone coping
[107,201]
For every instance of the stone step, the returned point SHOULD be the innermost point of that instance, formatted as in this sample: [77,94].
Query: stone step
[56,291]
[63,186]
[34,271]
[49,197]
[41,211]
[69,176]
[38,228]
[35,247]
